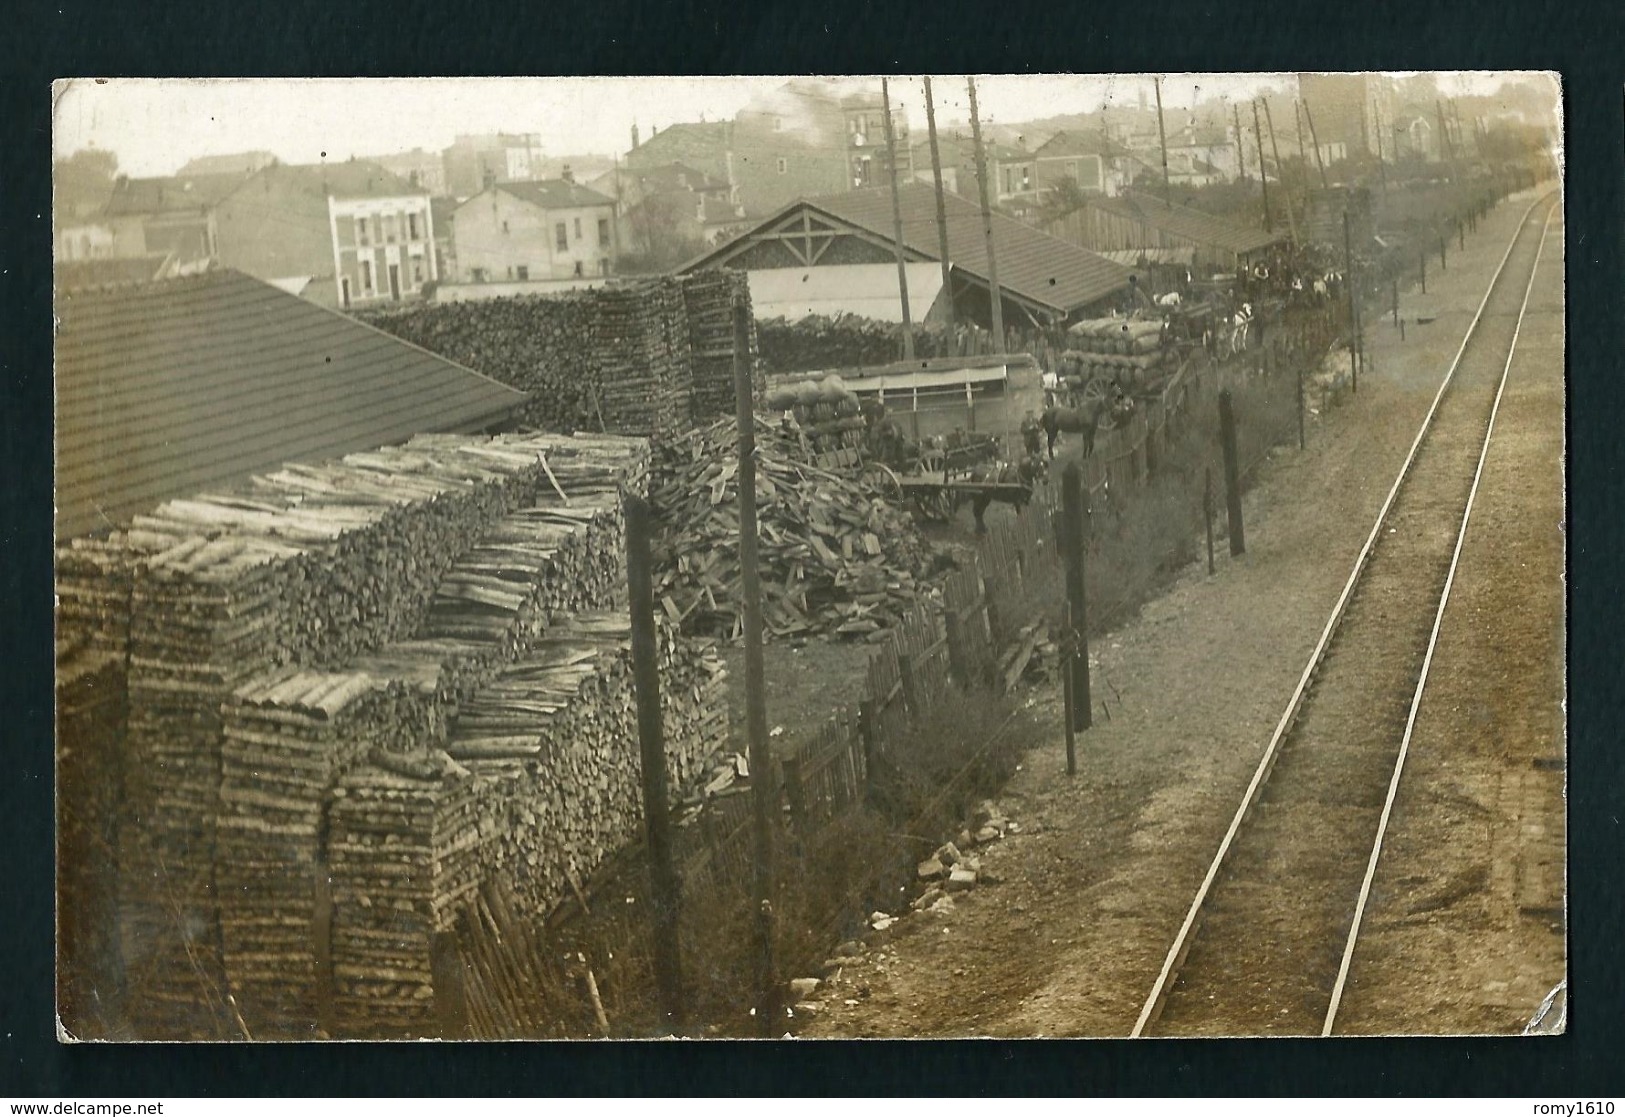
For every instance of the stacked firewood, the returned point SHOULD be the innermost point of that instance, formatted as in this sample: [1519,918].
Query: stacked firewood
[406,853]
[710,298]
[821,343]
[93,584]
[616,359]
[289,735]
[835,556]
[555,737]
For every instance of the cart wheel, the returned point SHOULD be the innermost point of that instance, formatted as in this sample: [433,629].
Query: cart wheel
[880,478]
[940,506]
[1093,391]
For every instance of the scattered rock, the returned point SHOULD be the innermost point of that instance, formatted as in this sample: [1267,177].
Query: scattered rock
[964,840]
[808,1008]
[932,869]
[803,987]
[944,906]
[926,899]
[831,969]
[880,920]
[961,880]
[987,834]
[986,811]
[948,854]
[988,876]
[851,948]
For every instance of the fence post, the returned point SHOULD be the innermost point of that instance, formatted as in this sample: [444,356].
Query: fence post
[911,696]
[1443,265]
[1077,612]
[1424,273]
[867,731]
[664,886]
[1461,235]
[1066,691]
[954,633]
[1396,302]
[1300,404]
[796,794]
[1232,473]
[1207,512]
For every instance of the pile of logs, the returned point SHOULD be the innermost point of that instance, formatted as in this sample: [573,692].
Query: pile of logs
[835,556]
[288,736]
[555,740]
[821,343]
[621,358]
[709,298]
[405,848]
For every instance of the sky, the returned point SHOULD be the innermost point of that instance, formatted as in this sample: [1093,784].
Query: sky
[155,125]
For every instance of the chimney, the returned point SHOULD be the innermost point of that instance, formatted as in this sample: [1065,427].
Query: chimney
[567,174]
[634,135]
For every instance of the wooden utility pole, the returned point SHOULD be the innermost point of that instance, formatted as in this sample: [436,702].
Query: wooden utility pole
[897,222]
[942,205]
[994,292]
[1275,150]
[1382,164]
[1162,139]
[664,887]
[1232,473]
[764,794]
[1445,144]
[1354,307]
[1077,613]
[1303,158]
[1314,137]
[1241,143]
[1263,171]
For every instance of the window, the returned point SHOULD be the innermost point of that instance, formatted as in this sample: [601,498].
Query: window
[361,237]
[561,237]
[699,210]
[784,166]
[344,289]
[578,228]
[412,232]
[391,228]
[366,277]
[603,266]
[479,275]
[603,232]
[579,270]
[417,272]
[524,272]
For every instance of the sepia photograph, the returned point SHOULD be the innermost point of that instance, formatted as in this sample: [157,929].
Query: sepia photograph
[833,557]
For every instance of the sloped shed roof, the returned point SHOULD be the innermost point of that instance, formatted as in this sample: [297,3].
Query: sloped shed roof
[1191,224]
[1033,265]
[167,388]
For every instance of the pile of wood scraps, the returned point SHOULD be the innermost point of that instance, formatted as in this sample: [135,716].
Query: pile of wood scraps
[835,556]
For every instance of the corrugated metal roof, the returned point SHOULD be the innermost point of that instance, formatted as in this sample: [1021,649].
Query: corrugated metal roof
[1033,265]
[1133,257]
[78,275]
[869,290]
[167,388]
[1182,221]
[947,378]
[555,194]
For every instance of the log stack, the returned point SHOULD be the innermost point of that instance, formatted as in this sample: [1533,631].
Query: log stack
[621,358]
[835,556]
[406,850]
[710,298]
[290,735]
[555,740]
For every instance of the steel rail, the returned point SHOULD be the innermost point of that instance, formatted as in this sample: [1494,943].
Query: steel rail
[1182,941]
[1433,640]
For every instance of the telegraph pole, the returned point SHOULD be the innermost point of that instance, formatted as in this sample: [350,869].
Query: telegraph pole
[1382,165]
[995,294]
[1162,138]
[1263,171]
[1275,150]
[1314,138]
[942,208]
[1241,143]
[897,222]
[1303,159]
[764,789]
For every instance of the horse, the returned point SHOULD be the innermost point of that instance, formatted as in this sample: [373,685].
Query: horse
[1026,473]
[1084,420]
[1240,324]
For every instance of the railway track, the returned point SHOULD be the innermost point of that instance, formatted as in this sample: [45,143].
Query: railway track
[1265,947]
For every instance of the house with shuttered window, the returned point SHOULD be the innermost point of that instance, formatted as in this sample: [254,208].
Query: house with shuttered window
[517,231]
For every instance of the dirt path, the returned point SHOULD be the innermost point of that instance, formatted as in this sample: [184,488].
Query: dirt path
[1465,928]
[1094,886]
